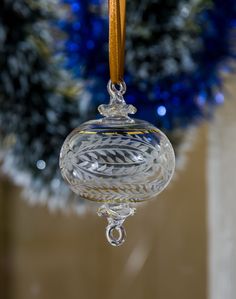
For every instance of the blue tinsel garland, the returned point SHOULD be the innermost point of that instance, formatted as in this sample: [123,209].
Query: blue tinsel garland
[173,101]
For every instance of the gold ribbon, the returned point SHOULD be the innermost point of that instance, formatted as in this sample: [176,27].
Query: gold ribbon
[117,16]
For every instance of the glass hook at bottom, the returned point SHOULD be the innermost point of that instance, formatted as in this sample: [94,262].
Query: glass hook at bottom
[116,215]
[112,239]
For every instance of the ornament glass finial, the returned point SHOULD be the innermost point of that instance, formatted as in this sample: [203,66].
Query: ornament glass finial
[117,161]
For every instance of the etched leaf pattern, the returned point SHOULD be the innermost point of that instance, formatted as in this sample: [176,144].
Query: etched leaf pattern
[114,155]
[112,168]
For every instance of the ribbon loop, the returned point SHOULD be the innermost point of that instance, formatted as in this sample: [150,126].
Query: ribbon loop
[117,26]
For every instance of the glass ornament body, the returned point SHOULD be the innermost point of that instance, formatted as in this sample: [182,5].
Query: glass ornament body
[118,161]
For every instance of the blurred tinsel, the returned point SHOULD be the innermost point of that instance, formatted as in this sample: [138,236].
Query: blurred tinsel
[175,52]
[39,104]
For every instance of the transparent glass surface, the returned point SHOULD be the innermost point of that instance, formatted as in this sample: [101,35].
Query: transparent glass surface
[117,160]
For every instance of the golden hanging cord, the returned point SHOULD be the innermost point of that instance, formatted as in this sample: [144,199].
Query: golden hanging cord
[117,28]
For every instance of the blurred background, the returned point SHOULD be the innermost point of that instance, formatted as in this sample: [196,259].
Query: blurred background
[180,75]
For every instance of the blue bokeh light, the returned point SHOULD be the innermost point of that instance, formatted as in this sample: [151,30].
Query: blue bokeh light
[75,7]
[161,110]
[219,98]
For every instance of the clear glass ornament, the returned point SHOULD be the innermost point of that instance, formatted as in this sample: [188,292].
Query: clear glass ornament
[118,161]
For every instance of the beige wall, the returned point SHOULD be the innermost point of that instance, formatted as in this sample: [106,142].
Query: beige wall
[66,257]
